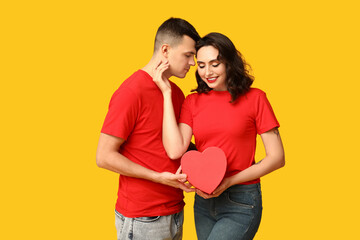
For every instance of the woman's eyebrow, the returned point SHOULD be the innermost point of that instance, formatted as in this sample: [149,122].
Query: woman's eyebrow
[214,60]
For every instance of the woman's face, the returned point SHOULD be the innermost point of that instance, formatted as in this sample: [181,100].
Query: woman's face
[210,69]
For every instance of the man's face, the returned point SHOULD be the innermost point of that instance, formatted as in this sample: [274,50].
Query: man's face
[181,57]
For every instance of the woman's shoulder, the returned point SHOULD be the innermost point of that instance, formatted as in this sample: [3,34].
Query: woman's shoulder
[192,96]
[255,92]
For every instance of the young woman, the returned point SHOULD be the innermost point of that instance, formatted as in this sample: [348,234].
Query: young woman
[226,113]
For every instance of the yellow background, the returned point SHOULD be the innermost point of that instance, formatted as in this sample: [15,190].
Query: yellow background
[62,60]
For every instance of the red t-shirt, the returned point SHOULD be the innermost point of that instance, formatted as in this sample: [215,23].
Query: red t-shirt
[230,126]
[135,114]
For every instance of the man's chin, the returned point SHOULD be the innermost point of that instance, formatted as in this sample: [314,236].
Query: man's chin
[183,75]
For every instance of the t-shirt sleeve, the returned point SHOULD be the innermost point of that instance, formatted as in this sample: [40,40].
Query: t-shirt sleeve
[264,115]
[186,112]
[122,114]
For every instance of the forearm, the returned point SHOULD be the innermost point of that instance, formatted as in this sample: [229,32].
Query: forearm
[274,159]
[172,138]
[116,162]
[260,169]
[265,166]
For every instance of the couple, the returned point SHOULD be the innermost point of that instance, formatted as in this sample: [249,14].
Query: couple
[147,130]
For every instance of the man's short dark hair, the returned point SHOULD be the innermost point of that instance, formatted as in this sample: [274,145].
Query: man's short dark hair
[172,32]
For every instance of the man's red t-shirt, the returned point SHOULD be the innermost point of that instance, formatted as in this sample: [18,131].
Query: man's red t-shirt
[135,114]
[230,126]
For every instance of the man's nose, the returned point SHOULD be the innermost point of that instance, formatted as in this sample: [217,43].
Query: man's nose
[192,61]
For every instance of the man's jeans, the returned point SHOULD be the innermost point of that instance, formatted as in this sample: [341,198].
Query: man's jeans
[234,215]
[150,228]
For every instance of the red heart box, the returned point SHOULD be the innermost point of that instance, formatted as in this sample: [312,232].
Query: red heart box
[204,170]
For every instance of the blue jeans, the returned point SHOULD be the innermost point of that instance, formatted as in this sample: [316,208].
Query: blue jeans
[149,228]
[235,214]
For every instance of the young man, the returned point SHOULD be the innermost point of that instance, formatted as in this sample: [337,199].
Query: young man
[150,194]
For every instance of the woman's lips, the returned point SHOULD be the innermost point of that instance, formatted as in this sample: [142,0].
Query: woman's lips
[211,80]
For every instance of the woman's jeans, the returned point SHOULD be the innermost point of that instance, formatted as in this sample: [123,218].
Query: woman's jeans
[152,228]
[235,214]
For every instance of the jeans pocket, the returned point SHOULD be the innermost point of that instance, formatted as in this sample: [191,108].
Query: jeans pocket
[179,219]
[119,215]
[147,219]
[243,199]
[119,222]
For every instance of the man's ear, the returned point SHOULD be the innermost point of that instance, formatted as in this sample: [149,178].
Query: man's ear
[165,50]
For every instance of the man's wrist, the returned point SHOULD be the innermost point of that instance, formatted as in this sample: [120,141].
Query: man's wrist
[154,177]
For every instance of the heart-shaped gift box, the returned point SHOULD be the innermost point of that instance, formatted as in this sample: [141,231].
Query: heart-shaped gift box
[205,170]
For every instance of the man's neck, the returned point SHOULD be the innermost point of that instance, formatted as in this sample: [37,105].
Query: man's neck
[152,64]
[149,68]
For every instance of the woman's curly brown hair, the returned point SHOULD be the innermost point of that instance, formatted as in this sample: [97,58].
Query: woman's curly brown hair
[238,78]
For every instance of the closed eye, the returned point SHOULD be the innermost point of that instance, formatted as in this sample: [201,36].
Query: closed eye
[213,65]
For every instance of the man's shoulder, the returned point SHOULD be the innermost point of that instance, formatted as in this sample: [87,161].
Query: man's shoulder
[135,80]
[129,87]
[135,83]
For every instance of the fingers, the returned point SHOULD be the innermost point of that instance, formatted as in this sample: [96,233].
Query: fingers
[179,170]
[181,177]
[161,64]
[162,68]
[158,77]
[218,191]
[186,187]
[200,193]
[158,63]
[215,195]
[189,185]
[177,181]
